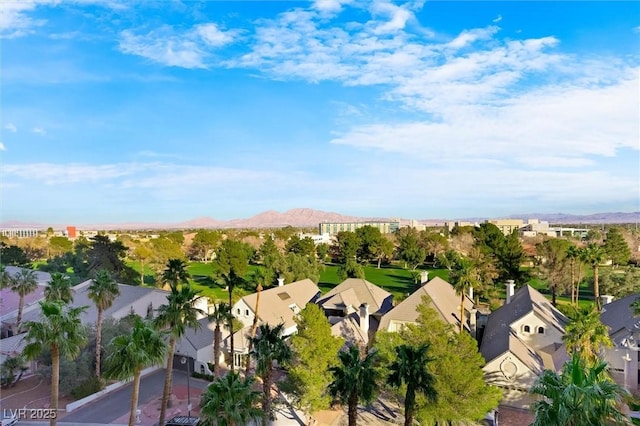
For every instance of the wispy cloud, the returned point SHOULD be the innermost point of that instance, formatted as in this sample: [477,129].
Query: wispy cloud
[15,20]
[11,127]
[2,148]
[166,46]
[39,131]
[497,19]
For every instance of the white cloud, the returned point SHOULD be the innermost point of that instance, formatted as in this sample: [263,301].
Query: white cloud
[168,47]
[11,127]
[636,29]
[497,19]
[2,148]
[15,20]
[39,131]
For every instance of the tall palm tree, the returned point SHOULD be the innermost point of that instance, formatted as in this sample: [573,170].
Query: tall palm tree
[220,316]
[585,334]
[175,273]
[230,401]
[463,276]
[102,291]
[61,331]
[59,288]
[594,254]
[143,347]
[410,367]
[259,277]
[355,379]
[269,346]
[573,254]
[582,395]
[179,313]
[23,283]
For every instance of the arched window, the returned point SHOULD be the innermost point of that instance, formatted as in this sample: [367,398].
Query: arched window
[527,329]
[540,330]
[201,369]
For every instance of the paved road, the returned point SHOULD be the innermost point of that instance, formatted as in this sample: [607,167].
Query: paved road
[116,404]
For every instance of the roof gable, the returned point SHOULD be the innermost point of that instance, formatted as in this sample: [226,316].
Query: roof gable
[365,292]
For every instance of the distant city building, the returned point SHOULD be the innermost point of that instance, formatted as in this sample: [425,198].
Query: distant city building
[535,227]
[507,226]
[71,232]
[18,233]
[317,239]
[332,228]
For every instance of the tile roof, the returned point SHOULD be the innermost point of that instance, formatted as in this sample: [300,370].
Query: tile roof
[442,297]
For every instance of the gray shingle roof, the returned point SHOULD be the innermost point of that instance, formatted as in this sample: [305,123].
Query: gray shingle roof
[618,316]
[379,300]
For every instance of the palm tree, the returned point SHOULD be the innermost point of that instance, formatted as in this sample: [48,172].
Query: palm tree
[593,254]
[463,276]
[573,254]
[5,278]
[175,273]
[176,316]
[269,346]
[582,395]
[354,379]
[585,334]
[59,288]
[23,283]
[259,277]
[221,317]
[102,291]
[410,367]
[143,347]
[230,401]
[8,370]
[61,331]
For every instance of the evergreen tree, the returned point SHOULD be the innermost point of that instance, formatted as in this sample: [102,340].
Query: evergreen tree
[616,247]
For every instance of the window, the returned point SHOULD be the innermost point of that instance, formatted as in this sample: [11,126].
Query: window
[201,369]
[238,311]
[540,330]
[246,312]
[527,329]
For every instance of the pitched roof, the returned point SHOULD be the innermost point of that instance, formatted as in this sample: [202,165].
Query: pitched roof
[349,329]
[276,303]
[498,336]
[203,336]
[354,292]
[9,300]
[618,316]
[443,299]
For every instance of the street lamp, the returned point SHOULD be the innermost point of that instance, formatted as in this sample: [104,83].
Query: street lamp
[183,360]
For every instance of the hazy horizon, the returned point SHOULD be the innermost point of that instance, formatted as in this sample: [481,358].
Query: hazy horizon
[169,111]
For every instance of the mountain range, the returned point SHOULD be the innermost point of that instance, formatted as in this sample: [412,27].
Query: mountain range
[303,217]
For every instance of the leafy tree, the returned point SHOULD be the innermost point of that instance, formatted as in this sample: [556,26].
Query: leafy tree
[384,250]
[269,252]
[220,316]
[294,267]
[585,334]
[163,249]
[355,379]
[448,259]
[411,368]
[143,254]
[22,283]
[204,244]
[616,247]
[230,401]
[345,247]
[102,291]
[144,346]
[322,251]
[434,244]
[13,255]
[232,262]
[61,331]
[351,269]
[620,283]
[315,351]
[457,367]
[59,288]
[109,255]
[269,346]
[178,314]
[177,237]
[302,246]
[593,255]
[463,277]
[409,249]
[369,241]
[582,394]
[59,245]
[554,265]
[9,368]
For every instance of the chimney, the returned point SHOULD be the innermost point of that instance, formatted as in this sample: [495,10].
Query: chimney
[511,287]
[470,293]
[606,299]
[424,277]
[364,317]
[280,281]
[473,322]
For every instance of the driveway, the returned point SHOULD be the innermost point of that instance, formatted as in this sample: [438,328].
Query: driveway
[115,405]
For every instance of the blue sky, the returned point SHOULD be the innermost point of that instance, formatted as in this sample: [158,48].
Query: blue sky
[117,111]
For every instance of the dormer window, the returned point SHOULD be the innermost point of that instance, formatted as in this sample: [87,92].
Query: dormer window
[540,330]
[526,329]
[246,313]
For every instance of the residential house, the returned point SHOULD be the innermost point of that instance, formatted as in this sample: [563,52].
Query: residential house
[354,309]
[441,297]
[522,339]
[624,331]
[278,305]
